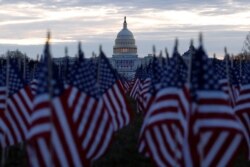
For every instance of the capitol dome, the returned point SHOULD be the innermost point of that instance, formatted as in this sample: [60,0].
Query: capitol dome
[125,33]
[125,42]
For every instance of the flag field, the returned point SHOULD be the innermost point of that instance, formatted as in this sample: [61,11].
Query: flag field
[123,151]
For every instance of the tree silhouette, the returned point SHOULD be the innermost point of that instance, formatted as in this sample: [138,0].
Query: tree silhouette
[246,46]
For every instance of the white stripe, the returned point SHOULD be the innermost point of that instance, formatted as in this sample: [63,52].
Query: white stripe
[78,108]
[72,96]
[186,151]
[123,104]
[41,113]
[108,137]
[27,99]
[246,117]
[59,149]
[179,137]
[16,114]
[85,117]
[170,140]
[163,117]
[6,131]
[163,104]
[142,146]
[244,87]
[135,88]
[167,91]
[2,96]
[33,157]
[182,119]
[213,151]
[205,138]
[14,127]
[2,106]
[3,88]
[242,107]
[212,94]
[41,98]
[22,108]
[117,109]
[164,152]
[94,123]
[217,108]
[184,100]
[153,150]
[230,151]
[97,136]
[67,131]
[243,97]
[112,114]
[45,151]
[216,123]
[38,129]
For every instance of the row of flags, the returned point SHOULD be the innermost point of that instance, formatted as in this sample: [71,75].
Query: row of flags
[64,120]
[196,111]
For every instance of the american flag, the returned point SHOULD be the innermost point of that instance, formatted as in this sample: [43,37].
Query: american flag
[242,108]
[140,75]
[149,85]
[19,106]
[135,88]
[225,77]
[163,130]
[143,94]
[125,83]
[112,93]
[215,134]
[53,139]
[3,97]
[2,88]
[93,122]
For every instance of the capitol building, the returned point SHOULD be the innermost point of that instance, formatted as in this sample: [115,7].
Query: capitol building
[125,58]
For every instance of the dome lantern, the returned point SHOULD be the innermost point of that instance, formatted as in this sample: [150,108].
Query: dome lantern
[125,41]
[124,23]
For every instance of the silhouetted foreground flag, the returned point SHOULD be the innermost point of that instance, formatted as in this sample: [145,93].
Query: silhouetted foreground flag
[215,134]
[162,132]
[16,117]
[53,140]
[112,93]
[190,124]
[93,122]
[227,79]
[242,108]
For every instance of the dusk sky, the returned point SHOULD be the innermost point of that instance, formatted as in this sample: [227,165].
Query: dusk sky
[24,24]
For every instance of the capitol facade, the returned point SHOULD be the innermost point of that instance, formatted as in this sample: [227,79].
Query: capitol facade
[125,58]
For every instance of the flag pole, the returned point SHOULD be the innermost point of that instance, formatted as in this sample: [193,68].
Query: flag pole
[24,68]
[228,77]
[24,79]
[50,88]
[167,56]
[174,127]
[99,64]
[190,65]
[241,57]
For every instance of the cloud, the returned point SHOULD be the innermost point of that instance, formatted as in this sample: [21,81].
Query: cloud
[98,21]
